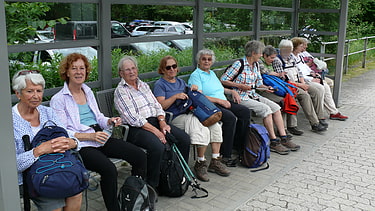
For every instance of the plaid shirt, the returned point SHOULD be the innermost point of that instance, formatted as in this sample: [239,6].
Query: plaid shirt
[289,66]
[136,105]
[249,76]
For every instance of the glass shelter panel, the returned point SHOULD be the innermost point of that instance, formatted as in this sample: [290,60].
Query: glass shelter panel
[274,20]
[218,20]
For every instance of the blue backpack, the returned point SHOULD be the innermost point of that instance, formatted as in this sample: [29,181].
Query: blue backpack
[206,111]
[55,175]
[281,87]
[256,150]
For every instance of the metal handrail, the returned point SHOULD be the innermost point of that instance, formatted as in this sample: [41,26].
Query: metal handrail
[347,53]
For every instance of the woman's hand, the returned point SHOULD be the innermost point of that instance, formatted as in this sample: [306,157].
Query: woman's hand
[244,87]
[236,97]
[116,120]
[225,103]
[99,136]
[303,86]
[56,145]
[181,96]
[194,87]
[164,127]
[316,80]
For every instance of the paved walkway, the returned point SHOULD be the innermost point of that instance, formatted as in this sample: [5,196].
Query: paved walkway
[332,171]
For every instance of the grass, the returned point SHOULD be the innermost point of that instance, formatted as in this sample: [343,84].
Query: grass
[357,70]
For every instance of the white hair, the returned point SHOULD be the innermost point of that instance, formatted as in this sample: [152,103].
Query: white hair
[19,81]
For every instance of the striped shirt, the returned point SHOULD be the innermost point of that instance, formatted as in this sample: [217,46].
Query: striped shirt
[136,105]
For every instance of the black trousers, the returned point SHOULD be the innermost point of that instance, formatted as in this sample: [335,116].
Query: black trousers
[97,159]
[155,148]
[236,120]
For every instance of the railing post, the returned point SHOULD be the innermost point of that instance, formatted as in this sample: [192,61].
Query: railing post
[322,50]
[346,57]
[364,53]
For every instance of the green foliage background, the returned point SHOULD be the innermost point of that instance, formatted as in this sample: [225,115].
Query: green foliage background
[24,18]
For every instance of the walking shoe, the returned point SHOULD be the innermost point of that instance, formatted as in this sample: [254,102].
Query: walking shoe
[200,169]
[218,167]
[286,142]
[295,131]
[229,162]
[317,127]
[323,122]
[277,147]
[338,116]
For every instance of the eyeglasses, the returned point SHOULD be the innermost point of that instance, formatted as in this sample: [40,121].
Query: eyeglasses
[172,66]
[206,59]
[25,72]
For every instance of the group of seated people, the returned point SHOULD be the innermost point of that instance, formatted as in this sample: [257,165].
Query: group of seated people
[75,108]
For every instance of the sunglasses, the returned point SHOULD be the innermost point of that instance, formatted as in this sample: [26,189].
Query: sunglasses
[172,66]
[25,72]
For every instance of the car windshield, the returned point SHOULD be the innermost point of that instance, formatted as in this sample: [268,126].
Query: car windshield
[89,52]
[45,35]
[185,43]
[149,47]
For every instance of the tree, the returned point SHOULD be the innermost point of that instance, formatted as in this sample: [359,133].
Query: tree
[23,19]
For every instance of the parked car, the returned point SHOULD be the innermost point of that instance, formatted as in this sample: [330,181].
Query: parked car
[42,36]
[169,30]
[180,44]
[77,30]
[187,29]
[144,47]
[130,26]
[45,57]
[143,30]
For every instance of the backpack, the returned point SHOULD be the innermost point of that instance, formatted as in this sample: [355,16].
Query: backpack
[256,150]
[176,175]
[136,195]
[206,111]
[55,175]
[173,181]
[281,87]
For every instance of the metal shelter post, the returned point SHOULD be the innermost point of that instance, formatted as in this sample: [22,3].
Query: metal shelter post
[9,194]
[340,50]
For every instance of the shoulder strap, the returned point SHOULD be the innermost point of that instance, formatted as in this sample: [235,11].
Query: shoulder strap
[281,59]
[240,70]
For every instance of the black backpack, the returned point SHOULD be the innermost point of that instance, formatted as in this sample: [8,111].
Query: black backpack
[173,181]
[56,175]
[176,176]
[136,195]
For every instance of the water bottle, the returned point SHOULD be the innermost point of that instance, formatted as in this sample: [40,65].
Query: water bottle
[108,131]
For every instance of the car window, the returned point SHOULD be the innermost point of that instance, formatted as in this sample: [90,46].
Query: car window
[119,29]
[180,29]
[172,29]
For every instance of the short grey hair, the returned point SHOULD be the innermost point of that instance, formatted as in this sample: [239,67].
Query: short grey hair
[205,52]
[286,44]
[19,81]
[253,46]
[127,58]
[269,50]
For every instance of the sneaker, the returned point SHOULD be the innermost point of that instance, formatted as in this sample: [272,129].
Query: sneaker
[218,167]
[295,131]
[200,169]
[323,122]
[338,116]
[277,147]
[229,162]
[317,127]
[289,144]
